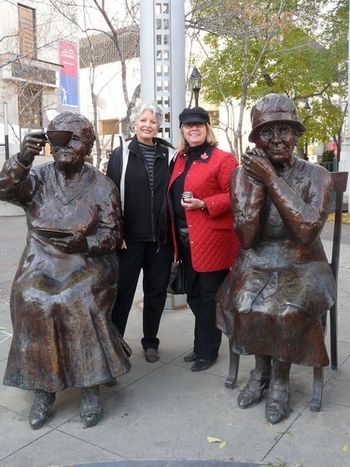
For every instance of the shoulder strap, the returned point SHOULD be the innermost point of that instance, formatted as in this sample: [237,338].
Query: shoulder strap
[124,160]
[172,154]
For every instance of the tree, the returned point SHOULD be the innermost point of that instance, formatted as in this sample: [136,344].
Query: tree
[109,19]
[272,46]
[27,48]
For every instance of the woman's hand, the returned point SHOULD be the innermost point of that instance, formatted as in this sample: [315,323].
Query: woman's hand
[76,243]
[258,165]
[193,203]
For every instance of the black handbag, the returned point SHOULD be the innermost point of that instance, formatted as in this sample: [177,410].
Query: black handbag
[176,284]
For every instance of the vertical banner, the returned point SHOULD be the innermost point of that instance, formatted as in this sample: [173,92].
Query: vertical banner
[69,75]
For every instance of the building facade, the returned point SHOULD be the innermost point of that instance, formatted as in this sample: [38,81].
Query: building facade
[33,44]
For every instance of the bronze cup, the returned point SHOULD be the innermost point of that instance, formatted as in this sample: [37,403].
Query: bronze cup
[59,137]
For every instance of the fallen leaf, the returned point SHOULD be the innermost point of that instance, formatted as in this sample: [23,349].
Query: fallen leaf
[210,439]
[345,448]
[222,445]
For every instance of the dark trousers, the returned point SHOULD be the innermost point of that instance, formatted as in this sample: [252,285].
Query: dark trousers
[155,261]
[201,288]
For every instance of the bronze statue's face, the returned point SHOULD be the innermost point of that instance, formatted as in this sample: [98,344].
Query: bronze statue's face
[70,149]
[278,141]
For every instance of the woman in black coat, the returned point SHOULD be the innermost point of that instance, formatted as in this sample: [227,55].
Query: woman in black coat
[139,168]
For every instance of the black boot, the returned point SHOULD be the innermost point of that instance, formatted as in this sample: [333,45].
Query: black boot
[42,408]
[201,364]
[90,406]
[277,403]
[259,379]
[190,357]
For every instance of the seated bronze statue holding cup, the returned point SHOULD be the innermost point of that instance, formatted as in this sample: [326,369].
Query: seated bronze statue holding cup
[66,282]
[273,301]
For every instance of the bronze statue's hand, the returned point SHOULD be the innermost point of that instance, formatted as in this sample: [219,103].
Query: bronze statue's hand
[31,146]
[258,166]
[72,244]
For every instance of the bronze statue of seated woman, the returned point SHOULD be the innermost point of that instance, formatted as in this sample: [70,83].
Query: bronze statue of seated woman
[66,282]
[273,300]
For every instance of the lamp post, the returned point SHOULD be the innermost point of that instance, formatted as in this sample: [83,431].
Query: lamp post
[6,132]
[307,107]
[195,82]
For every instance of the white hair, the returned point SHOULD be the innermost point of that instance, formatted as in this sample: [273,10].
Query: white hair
[151,107]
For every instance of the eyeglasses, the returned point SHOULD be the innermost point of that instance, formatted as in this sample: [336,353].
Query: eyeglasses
[191,125]
[283,132]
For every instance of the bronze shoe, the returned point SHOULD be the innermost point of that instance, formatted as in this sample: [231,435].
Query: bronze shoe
[277,403]
[42,408]
[90,406]
[253,392]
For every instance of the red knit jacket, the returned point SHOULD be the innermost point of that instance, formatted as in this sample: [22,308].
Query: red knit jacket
[214,244]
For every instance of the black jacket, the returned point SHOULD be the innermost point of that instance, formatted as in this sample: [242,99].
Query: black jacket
[144,213]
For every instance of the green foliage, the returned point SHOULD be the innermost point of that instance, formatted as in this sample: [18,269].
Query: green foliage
[296,47]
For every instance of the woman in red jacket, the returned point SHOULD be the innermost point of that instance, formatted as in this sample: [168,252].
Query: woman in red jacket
[202,226]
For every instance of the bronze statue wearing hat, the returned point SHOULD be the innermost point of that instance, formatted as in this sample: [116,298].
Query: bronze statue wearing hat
[273,300]
[66,282]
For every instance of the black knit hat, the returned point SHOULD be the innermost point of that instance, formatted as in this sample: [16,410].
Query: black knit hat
[194,115]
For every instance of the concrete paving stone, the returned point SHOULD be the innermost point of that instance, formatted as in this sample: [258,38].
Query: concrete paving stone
[169,335]
[172,349]
[337,388]
[156,419]
[175,463]
[4,347]
[139,369]
[5,287]
[5,340]
[54,448]
[163,411]
[5,303]
[303,375]
[5,321]
[343,323]
[315,440]
[13,438]
[66,407]
[19,401]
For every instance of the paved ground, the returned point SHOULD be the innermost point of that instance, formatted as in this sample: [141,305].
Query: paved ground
[163,411]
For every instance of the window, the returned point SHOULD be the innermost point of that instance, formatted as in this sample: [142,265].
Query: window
[104,49]
[29,106]
[27,31]
[109,127]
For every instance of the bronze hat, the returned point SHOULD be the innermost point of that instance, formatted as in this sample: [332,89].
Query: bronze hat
[271,109]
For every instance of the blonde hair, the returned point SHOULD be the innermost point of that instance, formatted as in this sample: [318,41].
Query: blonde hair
[211,138]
